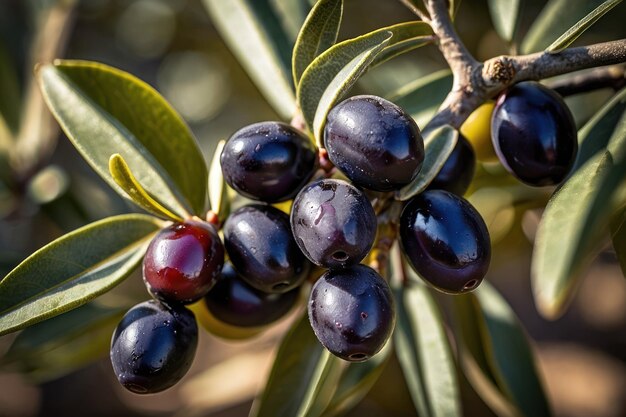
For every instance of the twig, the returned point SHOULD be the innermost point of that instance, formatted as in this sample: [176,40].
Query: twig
[416,10]
[607,77]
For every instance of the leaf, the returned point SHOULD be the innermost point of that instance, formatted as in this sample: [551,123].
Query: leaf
[504,15]
[582,25]
[333,73]
[424,351]
[299,368]
[126,180]
[595,134]
[556,18]
[53,347]
[254,34]
[438,145]
[618,236]
[499,347]
[356,381]
[574,224]
[319,32]
[74,269]
[104,111]
[218,190]
[422,98]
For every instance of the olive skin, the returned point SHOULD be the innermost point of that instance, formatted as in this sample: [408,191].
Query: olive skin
[446,241]
[457,173]
[268,161]
[334,223]
[183,262]
[234,302]
[477,130]
[262,249]
[534,134]
[374,143]
[352,312]
[153,346]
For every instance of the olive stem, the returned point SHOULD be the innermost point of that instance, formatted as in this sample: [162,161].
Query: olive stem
[606,77]
[475,82]
[416,10]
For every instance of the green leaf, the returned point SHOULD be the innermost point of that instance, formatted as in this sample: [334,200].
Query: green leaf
[556,18]
[424,351]
[300,367]
[488,328]
[126,180]
[319,32]
[356,381]
[438,145]
[254,34]
[74,269]
[333,73]
[63,343]
[504,15]
[582,25]
[574,225]
[596,133]
[105,111]
[218,189]
[618,236]
[422,98]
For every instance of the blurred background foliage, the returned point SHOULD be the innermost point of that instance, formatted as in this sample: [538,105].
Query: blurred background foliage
[46,189]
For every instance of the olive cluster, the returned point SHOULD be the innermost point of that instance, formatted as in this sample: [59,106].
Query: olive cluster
[254,274]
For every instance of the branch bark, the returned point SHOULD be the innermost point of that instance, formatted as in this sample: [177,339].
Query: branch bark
[475,82]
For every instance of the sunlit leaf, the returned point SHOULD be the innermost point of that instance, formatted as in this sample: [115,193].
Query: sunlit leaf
[424,352]
[438,145]
[74,269]
[574,225]
[582,25]
[499,346]
[555,19]
[300,366]
[504,15]
[218,189]
[618,236]
[333,73]
[254,34]
[318,33]
[105,111]
[126,180]
[422,98]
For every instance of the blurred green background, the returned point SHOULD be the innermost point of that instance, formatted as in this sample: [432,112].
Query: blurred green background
[46,190]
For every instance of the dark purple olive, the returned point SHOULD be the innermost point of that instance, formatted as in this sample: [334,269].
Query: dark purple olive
[262,249]
[334,223]
[153,346]
[183,262]
[446,241]
[268,161]
[352,312]
[374,143]
[534,134]
[234,302]
[457,173]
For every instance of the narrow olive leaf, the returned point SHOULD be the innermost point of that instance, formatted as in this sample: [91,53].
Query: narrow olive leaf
[33,343]
[555,18]
[356,381]
[582,25]
[300,365]
[596,133]
[618,237]
[504,15]
[574,224]
[74,269]
[126,180]
[333,73]
[438,145]
[319,32]
[511,354]
[104,111]
[407,36]
[218,190]
[253,33]
[422,98]
[424,351]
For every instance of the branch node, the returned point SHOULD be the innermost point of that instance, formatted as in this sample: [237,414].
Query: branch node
[500,70]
